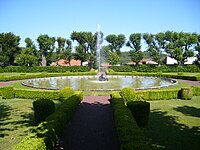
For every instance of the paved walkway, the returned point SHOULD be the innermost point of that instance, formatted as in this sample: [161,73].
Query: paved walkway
[92,126]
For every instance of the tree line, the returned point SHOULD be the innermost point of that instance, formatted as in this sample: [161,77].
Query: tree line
[177,45]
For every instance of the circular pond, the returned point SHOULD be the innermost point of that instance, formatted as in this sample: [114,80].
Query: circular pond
[91,83]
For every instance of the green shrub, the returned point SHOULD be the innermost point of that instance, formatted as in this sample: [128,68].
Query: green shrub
[65,93]
[196,90]
[130,135]
[31,142]
[1,70]
[180,73]
[128,94]
[7,92]
[140,111]
[165,94]
[37,94]
[42,109]
[186,93]
[45,135]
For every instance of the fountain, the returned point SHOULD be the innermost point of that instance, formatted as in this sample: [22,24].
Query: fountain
[99,82]
[101,73]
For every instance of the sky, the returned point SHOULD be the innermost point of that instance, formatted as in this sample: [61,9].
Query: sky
[59,18]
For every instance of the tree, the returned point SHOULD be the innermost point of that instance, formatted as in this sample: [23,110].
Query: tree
[178,44]
[68,50]
[197,48]
[46,45]
[61,47]
[86,49]
[9,48]
[135,44]
[28,55]
[116,42]
[155,44]
[113,58]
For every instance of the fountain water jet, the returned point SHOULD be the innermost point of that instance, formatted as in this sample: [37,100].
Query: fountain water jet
[101,73]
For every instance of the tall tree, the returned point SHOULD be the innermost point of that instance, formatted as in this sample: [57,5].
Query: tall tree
[28,55]
[46,45]
[155,44]
[9,48]
[61,47]
[68,50]
[197,48]
[177,46]
[116,42]
[86,48]
[135,44]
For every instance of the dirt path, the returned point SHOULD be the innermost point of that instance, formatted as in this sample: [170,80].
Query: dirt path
[8,83]
[92,126]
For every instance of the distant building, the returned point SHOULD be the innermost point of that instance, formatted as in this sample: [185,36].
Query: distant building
[144,61]
[63,62]
[171,61]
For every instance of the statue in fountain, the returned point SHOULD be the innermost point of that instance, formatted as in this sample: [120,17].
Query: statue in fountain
[102,77]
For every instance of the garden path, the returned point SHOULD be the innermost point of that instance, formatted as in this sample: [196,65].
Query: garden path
[92,126]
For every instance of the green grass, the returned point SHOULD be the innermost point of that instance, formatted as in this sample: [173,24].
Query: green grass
[174,124]
[16,119]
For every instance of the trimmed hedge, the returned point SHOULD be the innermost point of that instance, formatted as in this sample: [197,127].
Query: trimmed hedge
[130,135]
[196,90]
[156,68]
[128,94]
[7,92]
[165,94]
[46,69]
[157,74]
[37,94]
[186,93]
[45,135]
[42,75]
[42,109]
[65,93]
[140,111]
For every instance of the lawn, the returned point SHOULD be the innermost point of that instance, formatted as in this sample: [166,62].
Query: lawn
[174,124]
[16,119]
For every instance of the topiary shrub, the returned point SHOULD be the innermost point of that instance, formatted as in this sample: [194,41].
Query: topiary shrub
[65,93]
[128,94]
[186,93]
[8,92]
[42,109]
[140,111]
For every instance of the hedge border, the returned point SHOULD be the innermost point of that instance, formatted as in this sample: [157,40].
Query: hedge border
[45,135]
[130,135]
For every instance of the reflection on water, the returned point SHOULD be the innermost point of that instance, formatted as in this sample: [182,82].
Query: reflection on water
[92,83]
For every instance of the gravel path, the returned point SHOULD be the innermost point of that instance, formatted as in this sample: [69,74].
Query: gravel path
[92,126]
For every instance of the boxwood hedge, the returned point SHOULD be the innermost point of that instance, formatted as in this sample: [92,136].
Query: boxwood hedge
[130,135]
[45,135]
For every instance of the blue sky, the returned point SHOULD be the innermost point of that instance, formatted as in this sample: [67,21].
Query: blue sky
[30,18]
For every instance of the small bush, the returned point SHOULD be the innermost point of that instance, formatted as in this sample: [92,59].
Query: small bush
[42,109]
[7,92]
[140,111]
[128,94]
[186,93]
[65,93]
